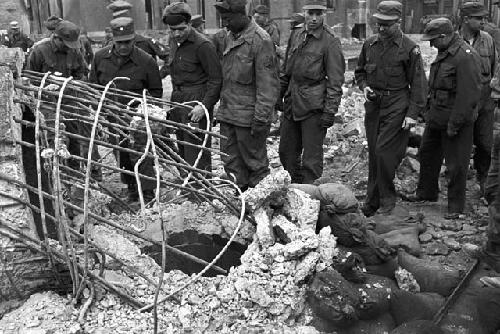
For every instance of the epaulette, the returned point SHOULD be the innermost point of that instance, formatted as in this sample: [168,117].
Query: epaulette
[329,30]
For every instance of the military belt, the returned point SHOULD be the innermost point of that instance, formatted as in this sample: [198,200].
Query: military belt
[186,88]
[381,92]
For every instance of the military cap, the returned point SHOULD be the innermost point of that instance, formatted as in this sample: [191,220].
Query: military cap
[314,4]
[52,22]
[473,9]
[231,6]
[389,10]
[14,25]
[262,9]
[437,28]
[122,28]
[197,20]
[69,33]
[119,5]
[297,18]
[176,13]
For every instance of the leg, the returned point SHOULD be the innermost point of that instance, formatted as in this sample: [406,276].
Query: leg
[431,159]
[233,162]
[457,152]
[371,126]
[483,139]
[253,152]
[491,186]
[391,146]
[313,135]
[290,149]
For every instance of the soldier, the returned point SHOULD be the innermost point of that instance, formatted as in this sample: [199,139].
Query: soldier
[16,39]
[124,59]
[490,252]
[108,37]
[121,8]
[86,47]
[391,75]
[261,16]
[196,76]
[312,89]
[249,91]
[198,23]
[472,18]
[296,21]
[454,94]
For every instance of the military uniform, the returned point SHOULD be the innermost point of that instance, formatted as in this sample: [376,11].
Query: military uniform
[196,76]
[454,93]
[249,92]
[143,72]
[483,127]
[16,39]
[494,32]
[151,47]
[312,90]
[393,69]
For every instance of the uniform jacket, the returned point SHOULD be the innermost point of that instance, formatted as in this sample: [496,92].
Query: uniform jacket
[454,86]
[494,32]
[313,73]
[151,47]
[272,29]
[194,63]
[17,41]
[485,47]
[250,85]
[45,57]
[140,67]
[398,67]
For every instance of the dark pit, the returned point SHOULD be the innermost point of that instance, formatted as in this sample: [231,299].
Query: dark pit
[205,247]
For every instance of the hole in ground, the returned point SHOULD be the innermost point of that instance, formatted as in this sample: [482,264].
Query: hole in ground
[203,246]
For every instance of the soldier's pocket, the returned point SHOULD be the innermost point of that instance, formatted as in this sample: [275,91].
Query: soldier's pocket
[243,70]
[313,96]
[312,66]
[446,80]
[442,97]
[188,65]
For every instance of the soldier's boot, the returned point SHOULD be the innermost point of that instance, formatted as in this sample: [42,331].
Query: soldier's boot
[489,254]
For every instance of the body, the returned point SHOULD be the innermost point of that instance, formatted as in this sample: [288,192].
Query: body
[15,38]
[311,87]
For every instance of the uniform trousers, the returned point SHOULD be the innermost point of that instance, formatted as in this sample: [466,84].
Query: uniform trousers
[301,148]
[387,142]
[483,134]
[456,150]
[247,154]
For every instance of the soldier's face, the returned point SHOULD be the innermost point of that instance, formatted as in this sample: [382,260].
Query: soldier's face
[387,29]
[124,48]
[234,22]
[59,43]
[441,43]
[314,18]
[180,31]
[475,23]
[260,19]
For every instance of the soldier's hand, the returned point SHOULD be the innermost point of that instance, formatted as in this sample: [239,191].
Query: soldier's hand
[259,128]
[367,92]
[327,120]
[408,123]
[197,114]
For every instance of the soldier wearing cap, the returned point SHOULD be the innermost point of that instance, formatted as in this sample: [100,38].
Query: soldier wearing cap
[492,29]
[108,37]
[121,8]
[312,89]
[16,39]
[198,23]
[51,24]
[391,75]
[60,54]
[124,59]
[296,21]
[249,92]
[454,94]
[472,16]
[196,76]
[261,16]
